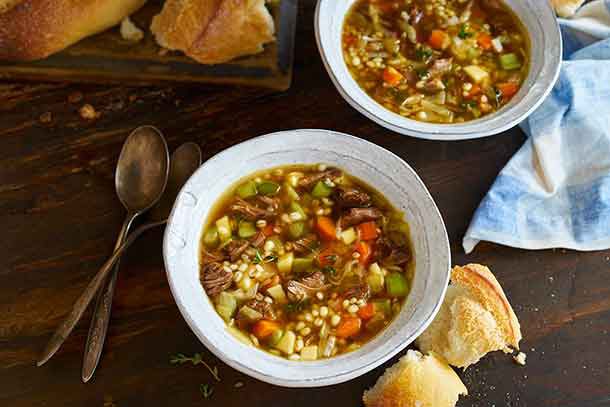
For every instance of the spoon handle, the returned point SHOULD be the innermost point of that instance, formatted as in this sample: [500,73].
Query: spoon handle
[81,304]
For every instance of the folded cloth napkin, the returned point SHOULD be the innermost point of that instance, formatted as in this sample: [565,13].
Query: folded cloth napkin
[555,192]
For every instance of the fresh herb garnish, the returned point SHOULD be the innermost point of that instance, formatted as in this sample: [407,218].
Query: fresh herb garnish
[259,259]
[196,359]
[422,74]
[329,270]
[331,258]
[206,390]
[423,54]
[464,33]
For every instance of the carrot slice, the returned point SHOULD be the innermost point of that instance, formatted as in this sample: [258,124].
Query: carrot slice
[391,76]
[268,230]
[474,91]
[326,228]
[508,89]
[349,326]
[484,41]
[367,311]
[264,328]
[367,230]
[438,39]
[366,252]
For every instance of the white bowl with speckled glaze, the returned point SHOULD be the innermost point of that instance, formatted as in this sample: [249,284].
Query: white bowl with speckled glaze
[380,168]
[539,20]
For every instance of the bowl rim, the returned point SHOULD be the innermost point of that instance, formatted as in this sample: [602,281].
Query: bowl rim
[354,371]
[502,120]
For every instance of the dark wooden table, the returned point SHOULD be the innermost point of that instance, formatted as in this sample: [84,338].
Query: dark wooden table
[59,217]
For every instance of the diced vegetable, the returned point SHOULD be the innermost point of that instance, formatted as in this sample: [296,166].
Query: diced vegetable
[375,278]
[286,344]
[327,257]
[268,230]
[239,335]
[348,327]
[348,236]
[210,237]
[265,328]
[366,312]
[507,89]
[247,189]
[391,76]
[246,229]
[326,228]
[376,323]
[367,231]
[302,264]
[292,194]
[245,283]
[321,190]
[275,337]
[227,300]
[396,285]
[295,207]
[293,178]
[365,250]
[510,61]
[284,263]
[223,226]
[309,352]
[277,293]
[250,314]
[484,40]
[268,188]
[439,39]
[496,43]
[296,230]
[476,73]
[383,306]
[437,109]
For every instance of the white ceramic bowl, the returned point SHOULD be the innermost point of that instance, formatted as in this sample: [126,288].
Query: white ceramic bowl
[538,18]
[371,163]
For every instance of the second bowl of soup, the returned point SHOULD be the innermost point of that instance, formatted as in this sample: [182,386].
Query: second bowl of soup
[306,258]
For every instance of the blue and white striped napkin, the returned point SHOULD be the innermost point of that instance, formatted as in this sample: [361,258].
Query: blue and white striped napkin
[555,192]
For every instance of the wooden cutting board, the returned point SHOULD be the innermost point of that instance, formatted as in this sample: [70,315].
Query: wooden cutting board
[107,58]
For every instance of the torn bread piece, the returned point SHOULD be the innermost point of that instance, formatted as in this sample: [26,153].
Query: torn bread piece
[475,319]
[566,8]
[214,31]
[416,381]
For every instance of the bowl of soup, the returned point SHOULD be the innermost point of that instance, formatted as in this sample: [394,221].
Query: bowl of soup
[306,258]
[442,69]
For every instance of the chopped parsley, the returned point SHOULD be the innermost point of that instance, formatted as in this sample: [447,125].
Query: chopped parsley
[464,33]
[422,74]
[259,259]
[329,270]
[423,54]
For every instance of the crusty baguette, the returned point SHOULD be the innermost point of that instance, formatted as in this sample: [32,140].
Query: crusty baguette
[566,8]
[35,29]
[214,31]
[416,381]
[475,318]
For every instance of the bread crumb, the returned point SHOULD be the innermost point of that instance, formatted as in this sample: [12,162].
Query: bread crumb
[75,97]
[46,118]
[88,112]
[130,32]
[520,358]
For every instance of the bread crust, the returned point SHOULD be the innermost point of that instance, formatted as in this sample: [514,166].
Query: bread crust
[214,31]
[35,29]
[484,286]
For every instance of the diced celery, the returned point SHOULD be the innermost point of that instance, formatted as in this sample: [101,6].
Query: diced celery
[295,207]
[250,314]
[291,193]
[277,293]
[510,61]
[302,264]
[247,189]
[383,306]
[210,237]
[268,188]
[321,190]
[225,312]
[476,73]
[286,344]
[239,335]
[375,278]
[309,352]
[227,300]
[396,285]
[348,236]
[284,263]
[275,337]
[246,229]
[223,226]
[296,230]
[278,245]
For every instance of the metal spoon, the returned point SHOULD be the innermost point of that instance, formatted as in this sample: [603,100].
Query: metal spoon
[140,180]
[184,161]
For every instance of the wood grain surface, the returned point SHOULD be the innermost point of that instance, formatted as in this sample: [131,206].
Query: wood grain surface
[60,217]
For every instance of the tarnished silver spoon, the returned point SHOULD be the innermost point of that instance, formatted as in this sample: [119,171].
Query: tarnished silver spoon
[140,179]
